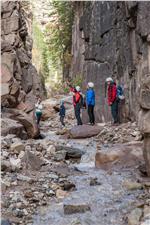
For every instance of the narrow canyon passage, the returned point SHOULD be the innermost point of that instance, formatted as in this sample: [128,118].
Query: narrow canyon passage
[97,173]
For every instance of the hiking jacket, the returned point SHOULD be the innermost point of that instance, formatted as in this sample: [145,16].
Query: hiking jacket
[62,110]
[76,98]
[90,97]
[112,93]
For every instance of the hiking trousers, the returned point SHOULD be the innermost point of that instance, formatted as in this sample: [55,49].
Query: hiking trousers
[91,114]
[62,120]
[38,116]
[114,111]
[77,114]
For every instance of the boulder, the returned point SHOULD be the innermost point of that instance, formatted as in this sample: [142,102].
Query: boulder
[9,126]
[48,109]
[17,147]
[15,164]
[51,150]
[84,131]
[71,153]
[76,208]
[32,161]
[27,121]
[5,165]
[130,185]
[105,157]
[134,216]
[61,194]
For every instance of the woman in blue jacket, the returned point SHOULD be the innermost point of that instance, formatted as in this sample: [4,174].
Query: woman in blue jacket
[90,99]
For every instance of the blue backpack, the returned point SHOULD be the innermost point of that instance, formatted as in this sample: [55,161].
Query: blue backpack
[120,94]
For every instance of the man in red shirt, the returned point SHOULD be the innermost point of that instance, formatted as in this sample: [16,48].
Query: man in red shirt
[112,98]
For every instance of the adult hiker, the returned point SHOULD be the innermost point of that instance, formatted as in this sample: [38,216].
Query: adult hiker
[38,110]
[62,112]
[90,99]
[77,105]
[112,98]
[121,102]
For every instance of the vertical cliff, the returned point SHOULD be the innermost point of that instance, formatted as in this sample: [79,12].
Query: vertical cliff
[112,39]
[20,81]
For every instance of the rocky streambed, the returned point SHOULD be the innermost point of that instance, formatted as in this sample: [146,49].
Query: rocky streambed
[58,179]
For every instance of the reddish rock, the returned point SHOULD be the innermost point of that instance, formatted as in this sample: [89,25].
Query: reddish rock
[84,131]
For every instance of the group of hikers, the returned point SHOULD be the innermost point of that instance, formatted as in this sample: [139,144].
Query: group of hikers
[114,95]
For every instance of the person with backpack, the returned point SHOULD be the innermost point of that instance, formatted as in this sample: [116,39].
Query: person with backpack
[90,99]
[121,102]
[77,104]
[38,110]
[62,112]
[112,98]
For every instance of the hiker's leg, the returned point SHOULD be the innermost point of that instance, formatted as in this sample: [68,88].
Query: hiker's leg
[93,117]
[38,116]
[79,121]
[114,110]
[90,113]
[63,121]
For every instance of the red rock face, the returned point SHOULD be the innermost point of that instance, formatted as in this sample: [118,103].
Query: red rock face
[19,76]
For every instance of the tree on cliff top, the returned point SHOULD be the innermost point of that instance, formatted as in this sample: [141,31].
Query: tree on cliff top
[59,33]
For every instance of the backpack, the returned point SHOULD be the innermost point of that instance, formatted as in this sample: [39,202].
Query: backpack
[82,101]
[120,94]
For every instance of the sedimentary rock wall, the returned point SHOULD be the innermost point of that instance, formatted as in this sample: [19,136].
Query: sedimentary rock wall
[112,39]
[20,81]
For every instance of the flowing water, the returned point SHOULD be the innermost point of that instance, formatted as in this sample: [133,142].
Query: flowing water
[109,202]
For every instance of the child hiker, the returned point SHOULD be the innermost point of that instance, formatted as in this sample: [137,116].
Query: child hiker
[62,112]
[38,110]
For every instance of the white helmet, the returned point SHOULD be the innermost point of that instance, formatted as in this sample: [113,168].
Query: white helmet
[90,84]
[77,88]
[109,79]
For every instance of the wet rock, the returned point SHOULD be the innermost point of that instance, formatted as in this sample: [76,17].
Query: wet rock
[146,222]
[28,194]
[84,131]
[68,186]
[24,178]
[104,157]
[76,208]
[5,222]
[61,194]
[51,150]
[15,164]
[17,147]
[94,181]
[147,211]
[130,185]
[60,156]
[71,152]
[134,217]
[5,166]
[62,131]
[32,161]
